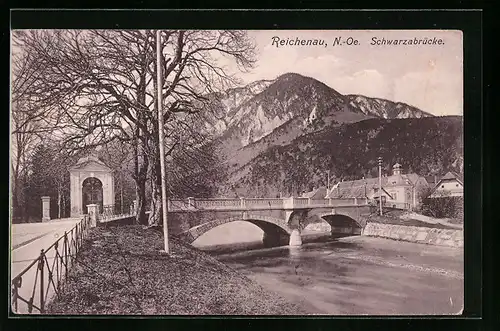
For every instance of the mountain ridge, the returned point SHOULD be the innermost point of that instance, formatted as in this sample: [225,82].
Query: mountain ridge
[428,146]
[268,120]
[253,111]
[356,101]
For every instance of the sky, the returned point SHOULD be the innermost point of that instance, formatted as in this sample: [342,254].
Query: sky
[429,77]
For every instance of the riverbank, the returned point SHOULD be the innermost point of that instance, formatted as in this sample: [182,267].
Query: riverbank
[415,234]
[121,271]
[400,217]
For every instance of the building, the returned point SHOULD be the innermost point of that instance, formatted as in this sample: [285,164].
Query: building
[432,180]
[316,193]
[91,182]
[451,184]
[398,189]
[375,195]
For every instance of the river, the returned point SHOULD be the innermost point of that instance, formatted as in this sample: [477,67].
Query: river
[347,276]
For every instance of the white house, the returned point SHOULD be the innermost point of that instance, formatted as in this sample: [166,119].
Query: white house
[397,188]
[450,184]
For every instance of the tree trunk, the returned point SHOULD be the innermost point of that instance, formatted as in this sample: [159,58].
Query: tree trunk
[15,183]
[63,203]
[59,198]
[140,146]
[141,195]
[15,197]
[140,172]
[141,202]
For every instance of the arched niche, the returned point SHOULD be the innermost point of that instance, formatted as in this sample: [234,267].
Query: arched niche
[92,193]
[97,178]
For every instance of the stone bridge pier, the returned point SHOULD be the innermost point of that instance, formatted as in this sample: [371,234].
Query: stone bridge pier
[273,236]
[343,221]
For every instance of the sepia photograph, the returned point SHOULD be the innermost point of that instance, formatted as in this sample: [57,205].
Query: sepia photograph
[236,172]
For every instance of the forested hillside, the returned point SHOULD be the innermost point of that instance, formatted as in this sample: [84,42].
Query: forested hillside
[427,146]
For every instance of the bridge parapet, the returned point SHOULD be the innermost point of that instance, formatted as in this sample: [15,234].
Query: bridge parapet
[192,204]
[250,203]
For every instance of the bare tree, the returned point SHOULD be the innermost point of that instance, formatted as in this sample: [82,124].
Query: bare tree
[96,86]
[25,130]
[119,156]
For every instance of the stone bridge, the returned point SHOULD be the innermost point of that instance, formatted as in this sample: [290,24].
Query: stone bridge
[281,219]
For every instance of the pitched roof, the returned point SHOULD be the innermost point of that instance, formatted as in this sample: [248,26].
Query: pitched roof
[356,188]
[451,175]
[348,192]
[431,179]
[318,193]
[91,159]
[374,193]
[362,182]
[413,178]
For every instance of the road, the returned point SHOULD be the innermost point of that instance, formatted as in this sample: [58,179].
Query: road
[27,240]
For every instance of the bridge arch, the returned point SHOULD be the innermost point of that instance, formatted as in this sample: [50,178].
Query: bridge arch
[340,219]
[276,231]
[342,224]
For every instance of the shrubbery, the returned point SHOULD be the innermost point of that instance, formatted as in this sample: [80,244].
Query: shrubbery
[443,207]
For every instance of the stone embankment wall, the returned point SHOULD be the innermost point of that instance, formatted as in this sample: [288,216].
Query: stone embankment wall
[431,236]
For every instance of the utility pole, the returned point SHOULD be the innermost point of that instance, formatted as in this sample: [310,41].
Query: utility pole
[161,140]
[121,189]
[380,183]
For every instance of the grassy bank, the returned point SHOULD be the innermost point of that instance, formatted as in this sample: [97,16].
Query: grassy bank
[120,271]
[394,217]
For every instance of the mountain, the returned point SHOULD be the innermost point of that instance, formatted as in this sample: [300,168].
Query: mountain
[286,133]
[249,113]
[274,112]
[289,97]
[291,104]
[296,128]
[384,108]
[224,105]
[427,146]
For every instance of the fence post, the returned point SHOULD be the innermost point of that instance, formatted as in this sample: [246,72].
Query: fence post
[15,294]
[80,234]
[45,208]
[40,267]
[65,254]
[92,208]
[55,266]
[76,241]
[191,203]
[242,202]
[135,203]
